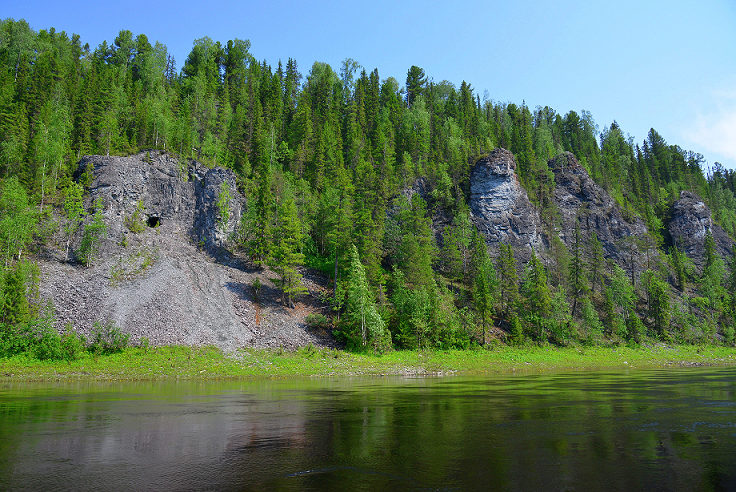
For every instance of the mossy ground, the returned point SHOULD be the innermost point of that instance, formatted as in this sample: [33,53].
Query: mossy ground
[177,362]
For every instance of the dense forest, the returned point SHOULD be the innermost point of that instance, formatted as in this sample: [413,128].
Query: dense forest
[322,158]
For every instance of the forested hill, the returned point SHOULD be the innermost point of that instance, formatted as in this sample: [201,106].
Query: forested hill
[325,157]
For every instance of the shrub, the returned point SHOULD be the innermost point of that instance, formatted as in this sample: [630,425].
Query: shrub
[107,338]
[316,320]
[72,344]
[256,285]
[13,340]
[44,340]
[94,232]
[135,222]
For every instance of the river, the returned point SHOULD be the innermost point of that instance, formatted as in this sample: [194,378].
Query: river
[629,430]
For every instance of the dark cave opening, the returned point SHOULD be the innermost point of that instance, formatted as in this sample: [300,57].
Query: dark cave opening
[154,221]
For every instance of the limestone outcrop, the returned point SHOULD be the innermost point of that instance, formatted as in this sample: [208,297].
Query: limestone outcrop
[173,283]
[580,199]
[182,196]
[691,221]
[500,207]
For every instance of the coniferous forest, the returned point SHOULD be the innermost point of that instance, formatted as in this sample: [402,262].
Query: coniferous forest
[323,155]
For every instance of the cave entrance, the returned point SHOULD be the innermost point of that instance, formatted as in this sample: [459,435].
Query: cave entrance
[154,221]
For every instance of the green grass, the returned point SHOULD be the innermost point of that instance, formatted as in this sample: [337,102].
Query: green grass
[176,362]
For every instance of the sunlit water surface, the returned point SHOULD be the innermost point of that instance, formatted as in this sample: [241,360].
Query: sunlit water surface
[636,430]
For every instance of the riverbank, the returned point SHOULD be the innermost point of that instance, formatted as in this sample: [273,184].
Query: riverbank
[180,362]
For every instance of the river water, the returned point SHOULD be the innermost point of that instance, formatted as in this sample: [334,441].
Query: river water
[636,430]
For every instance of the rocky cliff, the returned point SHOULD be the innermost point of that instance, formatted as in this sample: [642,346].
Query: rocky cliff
[500,207]
[503,213]
[580,199]
[691,221]
[180,196]
[173,283]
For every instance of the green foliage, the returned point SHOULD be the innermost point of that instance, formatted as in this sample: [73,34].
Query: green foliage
[223,204]
[517,331]
[46,344]
[317,321]
[560,319]
[133,265]
[425,316]
[14,306]
[256,286]
[592,326]
[711,282]
[18,221]
[39,339]
[74,208]
[107,338]
[683,267]
[361,315]
[537,302]
[635,329]
[621,292]
[344,147]
[595,262]
[456,246]
[136,222]
[73,344]
[485,284]
[94,232]
[658,295]
[508,280]
[286,256]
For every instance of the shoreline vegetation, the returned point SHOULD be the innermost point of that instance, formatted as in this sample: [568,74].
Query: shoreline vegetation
[209,363]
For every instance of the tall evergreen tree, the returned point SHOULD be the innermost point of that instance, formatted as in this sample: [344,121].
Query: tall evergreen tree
[485,284]
[508,280]
[286,256]
[537,298]
[361,310]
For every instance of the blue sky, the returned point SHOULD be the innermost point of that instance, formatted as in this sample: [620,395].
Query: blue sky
[670,65]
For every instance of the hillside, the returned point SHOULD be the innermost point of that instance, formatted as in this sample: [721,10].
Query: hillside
[166,283]
[168,272]
[435,218]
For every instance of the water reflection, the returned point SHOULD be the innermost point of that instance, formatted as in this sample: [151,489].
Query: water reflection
[642,430]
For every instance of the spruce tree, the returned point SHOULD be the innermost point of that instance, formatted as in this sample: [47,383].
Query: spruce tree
[286,256]
[508,280]
[578,280]
[361,310]
[537,299]
[595,262]
[485,283]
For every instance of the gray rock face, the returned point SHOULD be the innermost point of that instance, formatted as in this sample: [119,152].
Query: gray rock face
[501,208]
[182,197]
[691,220]
[579,198]
[159,284]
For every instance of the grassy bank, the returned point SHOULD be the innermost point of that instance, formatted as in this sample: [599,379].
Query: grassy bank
[210,363]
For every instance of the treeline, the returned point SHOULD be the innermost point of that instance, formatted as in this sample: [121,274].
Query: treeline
[325,160]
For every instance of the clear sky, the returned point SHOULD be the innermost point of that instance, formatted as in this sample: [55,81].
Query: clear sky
[668,65]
